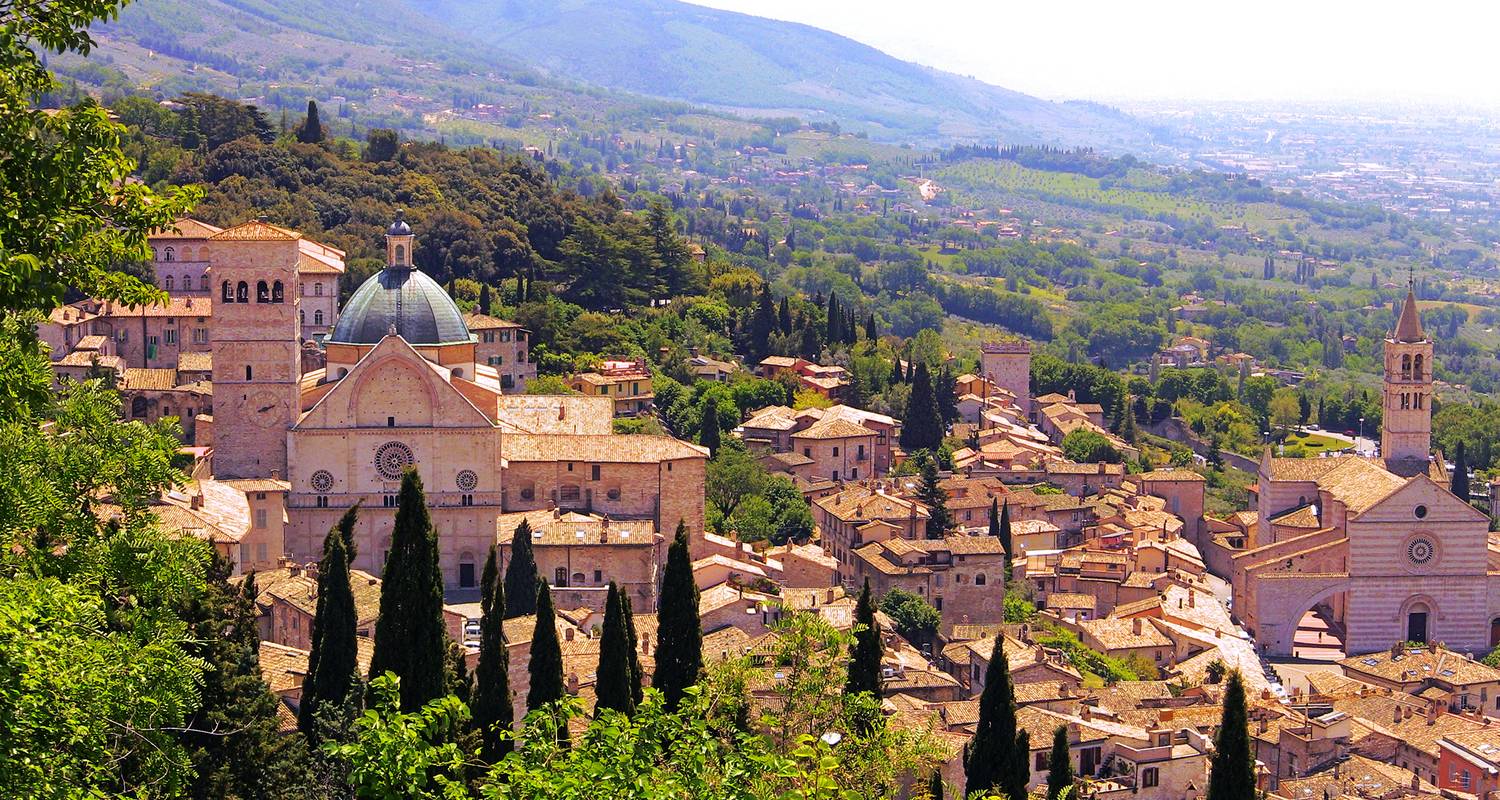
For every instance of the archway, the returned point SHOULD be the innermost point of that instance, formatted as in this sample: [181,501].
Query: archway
[1320,632]
[1418,620]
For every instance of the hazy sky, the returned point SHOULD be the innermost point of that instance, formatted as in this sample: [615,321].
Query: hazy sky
[1174,49]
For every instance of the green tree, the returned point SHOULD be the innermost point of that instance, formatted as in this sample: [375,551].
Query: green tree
[612,685]
[916,620]
[637,676]
[708,431]
[864,653]
[1000,528]
[382,144]
[484,299]
[1059,764]
[990,760]
[311,130]
[493,712]
[1231,774]
[410,639]
[546,666]
[947,401]
[520,574]
[399,755]
[1085,446]
[72,214]
[1458,482]
[935,497]
[671,252]
[679,646]
[935,785]
[762,326]
[922,427]
[332,665]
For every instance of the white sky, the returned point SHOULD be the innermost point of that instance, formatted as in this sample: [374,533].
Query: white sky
[1432,50]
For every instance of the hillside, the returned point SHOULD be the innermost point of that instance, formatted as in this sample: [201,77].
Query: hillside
[438,50]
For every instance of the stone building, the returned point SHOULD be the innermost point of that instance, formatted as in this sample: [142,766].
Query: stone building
[626,383]
[1380,547]
[503,345]
[960,575]
[1008,366]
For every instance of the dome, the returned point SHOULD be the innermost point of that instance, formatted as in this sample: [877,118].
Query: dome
[406,299]
[399,227]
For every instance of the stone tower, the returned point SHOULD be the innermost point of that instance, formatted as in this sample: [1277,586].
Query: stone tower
[1008,365]
[256,348]
[1406,419]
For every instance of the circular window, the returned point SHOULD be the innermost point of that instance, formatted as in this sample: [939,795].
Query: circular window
[467,480]
[321,481]
[1420,511]
[392,458]
[1420,550]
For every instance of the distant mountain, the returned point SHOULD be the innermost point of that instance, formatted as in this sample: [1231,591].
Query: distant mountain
[656,48]
[681,51]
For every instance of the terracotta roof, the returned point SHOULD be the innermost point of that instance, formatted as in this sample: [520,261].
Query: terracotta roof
[1419,665]
[301,592]
[1120,634]
[1170,475]
[1071,600]
[609,449]
[187,228]
[776,418]
[1299,517]
[565,529]
[1305,469]
[789,459]
[836,428]
[484,322]
[149,379]
[174,307]
[195,362]
[1409,326]
[256,231]
[779,361]
[1359,483]
[862,503]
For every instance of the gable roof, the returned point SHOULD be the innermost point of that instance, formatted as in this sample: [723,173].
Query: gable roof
[256,231]
[398,348]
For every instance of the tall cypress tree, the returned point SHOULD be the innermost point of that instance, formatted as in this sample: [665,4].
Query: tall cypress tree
[871,332]
[520,574]
[493,712]
[762,325]
[612,684]
[1231,774]
[935,497]
[833,333]
[922,429]
[864,652]
[546,667]
[637,676]
[947,401]
[1006,540]
[708,430]
[1059,764]
[897,376]
[679,646]
[410,638]
[935,785]
[1459,480]
[311,130]
[990,759]
[333,661]
[484,299]
[232,738]
[784,316]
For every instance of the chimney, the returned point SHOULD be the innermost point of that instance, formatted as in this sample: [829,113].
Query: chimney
[646,643]
[1192,599]
[572,683]
[568,634]
[1432,713]
[1135,625]
[562,410]
[275,474]
[1262,724]
[1083,711]
[196,502]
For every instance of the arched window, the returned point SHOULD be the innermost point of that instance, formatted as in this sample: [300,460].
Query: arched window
[400,254]
[318,289]
[170,283]
[318,317]
[187,283]
[171,254]
[1405,400]
[138,407]
[242,292]
[979,579]
[302,315]
[1406,366]
[278,293]
[203,282]
[249,373]
[1416,367]
[1417,401]
[262,292]
[578,578]
[228,292]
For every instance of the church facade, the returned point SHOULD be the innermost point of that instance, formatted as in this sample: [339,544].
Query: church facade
[403,387]
[1379,547]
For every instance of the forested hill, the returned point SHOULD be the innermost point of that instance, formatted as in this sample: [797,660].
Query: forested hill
[635,49]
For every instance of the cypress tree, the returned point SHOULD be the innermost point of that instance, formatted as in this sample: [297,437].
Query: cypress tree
[1459,480]
[990,757]
[708,430]
[232,739]
[484,299]
[546,667]
[333,661]
[922,429]
[809,347]
[311,131]
[637,691]
[947,401]
[784,316]
[410,638]
[520,574]
[493,712]
[1006,542]
[762,325]
[1059,764]
[1231,774]
[679,646]
[864,652]
[896,374]
[833,333]
[871,332]
[612,685]
[935,497]
[935,785]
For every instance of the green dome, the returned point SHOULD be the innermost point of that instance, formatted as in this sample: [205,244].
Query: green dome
[405,300]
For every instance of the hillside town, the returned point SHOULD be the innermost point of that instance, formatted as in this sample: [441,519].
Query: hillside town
[1350,598]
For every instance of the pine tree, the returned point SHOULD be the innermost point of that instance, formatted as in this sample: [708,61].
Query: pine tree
[922,429]
[1231,774]
[333,661]
[864,652]
[708,430]
[410,638]
[1006,542]
[311,131]
[935,497]
[1459,480]
[546,666]
[520,574]
[612,684]
[493,712]
[232,738]
[484,299]
[679,645]
[990,758]
[1059,764]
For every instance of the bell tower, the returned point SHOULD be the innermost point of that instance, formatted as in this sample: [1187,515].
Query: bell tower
[1406,417]
[398,243]
[257,364]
